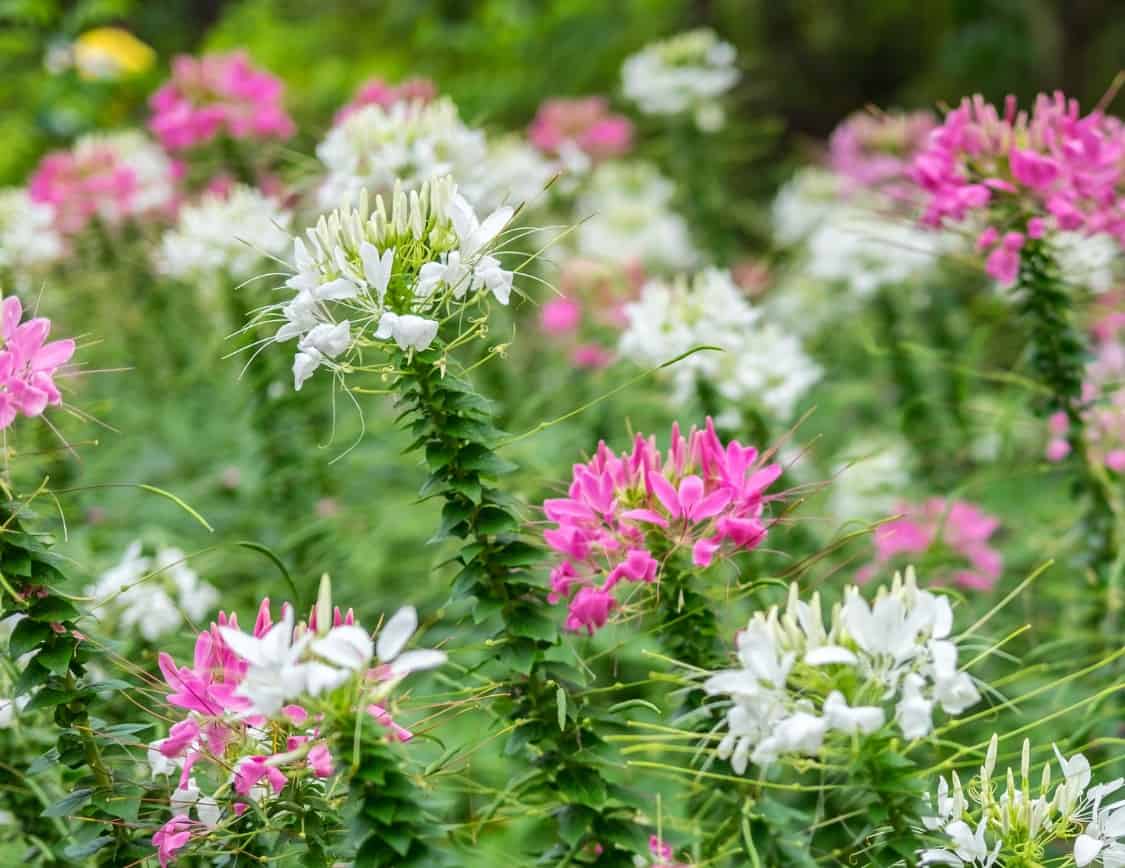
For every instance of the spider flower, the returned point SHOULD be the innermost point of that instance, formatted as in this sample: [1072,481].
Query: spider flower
[366,276]
[874,151]
[956,531]
[375,91]
[218,95]
[28,365]
[580,131]
[1023,174]
[624,515]
[113,178]
[799,684]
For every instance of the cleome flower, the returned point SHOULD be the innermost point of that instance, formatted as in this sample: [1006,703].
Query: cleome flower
[761,365]
[368,275]
[626,515]
[580,132]
[218,95]
[28,365]
[262,705]
[111,177]
[950,530]
[800,683]
[871,150]
[224,237]
[1002,820]
[686,73]
[375,91]
[1022,174]
[28,239]
[407,143]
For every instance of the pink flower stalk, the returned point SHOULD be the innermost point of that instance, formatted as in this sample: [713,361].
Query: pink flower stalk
[172,837]
[27,364]
[375,91]
[956,528]
[218,94]
[1024,173]
[874,150]
[1103,413]
[586,124]
[626,514]
[102,178]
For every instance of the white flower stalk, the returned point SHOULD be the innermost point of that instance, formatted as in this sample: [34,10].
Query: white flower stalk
[1002,820]
[761,365]
[223,239]
[800,684]
[627,218]
[388,274]
[153,595]
[407,143]
[686,73]
[512,172]
[28,239]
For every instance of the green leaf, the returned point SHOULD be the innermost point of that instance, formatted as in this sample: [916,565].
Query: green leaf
[493,520]
[28,634]
[532,625]
[57,656]
[483,460]
[560,703]
[79,851]
[52,608]
[49,697]
[68,804]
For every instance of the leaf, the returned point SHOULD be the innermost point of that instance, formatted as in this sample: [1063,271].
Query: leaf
[28,634]
[49,697]
[57,656]
[560,702]
[68,804]
[53,608]
[79,851]
[493,520]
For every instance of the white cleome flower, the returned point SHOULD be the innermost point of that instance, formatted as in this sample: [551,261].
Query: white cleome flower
[152,595]
[686,73]
[224,237]
[390,272]
[627,218]
[407,143]
[28,239]
[761,365]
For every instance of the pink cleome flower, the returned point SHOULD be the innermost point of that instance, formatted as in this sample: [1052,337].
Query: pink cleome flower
[663,854]
[623,510]
[172,837]
[27,364]
[375,91]
[1103,396]
[873,151]
[1024,174]
[218,94]
[957,529]
[586,124]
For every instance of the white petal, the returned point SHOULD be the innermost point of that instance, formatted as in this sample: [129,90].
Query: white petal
[396,633]
[336,290]
[1086,850]
[829,654]
[245,646]
[348,646]
[416,661]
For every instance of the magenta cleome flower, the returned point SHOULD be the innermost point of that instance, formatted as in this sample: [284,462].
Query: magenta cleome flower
[874,151]
[375,91]
[954,530]
[1024,174]
[28,365]
[218,94]
[626,514]
[583,124]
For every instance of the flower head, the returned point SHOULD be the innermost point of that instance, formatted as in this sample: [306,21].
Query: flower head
[580,131]
[218,95]
[874,151]
[703,498]
[28,364]
[375,91]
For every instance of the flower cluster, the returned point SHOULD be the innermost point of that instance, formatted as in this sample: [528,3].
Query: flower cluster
[628,219]
[1024,174]
[762,365]
[390,272]
[625,515]
[798,683]
[112,178]
[224,237]
[580,132]
[375,91]
[948,531]
[979,828]
[874,150]
[248,694]
[152,595]
[1103,414]
[28,365]
[407,143]
[218,94]
[686,73]
[28,239]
